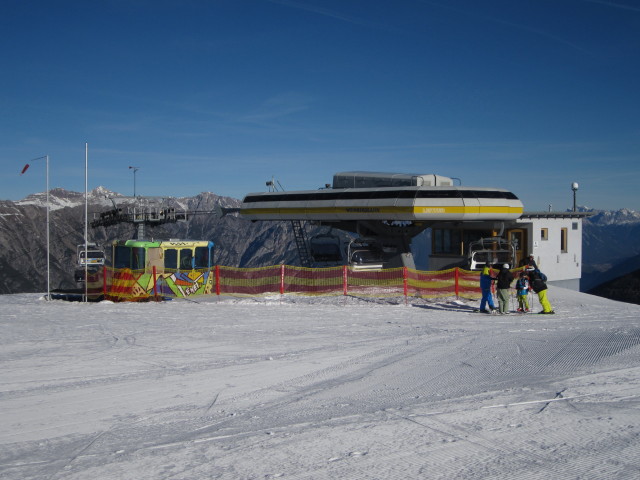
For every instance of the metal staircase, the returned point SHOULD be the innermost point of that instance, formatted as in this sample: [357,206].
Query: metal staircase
[302,243]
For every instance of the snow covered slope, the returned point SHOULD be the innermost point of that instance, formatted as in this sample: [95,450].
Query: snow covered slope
[318,388]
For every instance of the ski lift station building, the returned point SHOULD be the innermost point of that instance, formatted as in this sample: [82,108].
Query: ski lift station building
[392,210]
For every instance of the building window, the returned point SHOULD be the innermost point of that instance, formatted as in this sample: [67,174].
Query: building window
[446,242]
[544,234]
[455,241]
[564,234]
[574,226]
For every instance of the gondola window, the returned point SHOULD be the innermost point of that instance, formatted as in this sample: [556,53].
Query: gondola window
[171,259]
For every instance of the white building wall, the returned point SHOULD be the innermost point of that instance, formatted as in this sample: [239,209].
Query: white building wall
[562,267]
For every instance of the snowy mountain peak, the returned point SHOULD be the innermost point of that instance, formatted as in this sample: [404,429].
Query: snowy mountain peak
[103,192]
[61,198]
[618,217]
[58,198]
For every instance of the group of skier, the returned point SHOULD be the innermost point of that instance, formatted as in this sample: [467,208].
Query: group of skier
[529,279]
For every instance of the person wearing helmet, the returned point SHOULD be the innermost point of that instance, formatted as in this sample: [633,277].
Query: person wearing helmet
[505,277]
[528,262]
[522,291]
[539,286]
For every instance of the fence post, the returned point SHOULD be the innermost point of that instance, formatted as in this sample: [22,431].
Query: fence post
[344,280]
[457,281]
[282,279]
[217,270]
[104,281]
[405,274]
[155,284]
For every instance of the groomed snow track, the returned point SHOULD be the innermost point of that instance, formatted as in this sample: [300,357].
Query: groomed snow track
[354,390]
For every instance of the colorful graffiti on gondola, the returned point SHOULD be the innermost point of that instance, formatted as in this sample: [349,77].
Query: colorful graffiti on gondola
[176,268]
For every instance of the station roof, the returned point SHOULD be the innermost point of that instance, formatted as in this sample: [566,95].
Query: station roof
[544,214]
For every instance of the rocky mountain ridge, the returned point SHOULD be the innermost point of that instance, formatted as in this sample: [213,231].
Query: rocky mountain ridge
[23,246]
[623,216]
[609,246]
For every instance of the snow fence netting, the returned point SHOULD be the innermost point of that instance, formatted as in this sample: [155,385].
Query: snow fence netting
[312,281]
[140,285]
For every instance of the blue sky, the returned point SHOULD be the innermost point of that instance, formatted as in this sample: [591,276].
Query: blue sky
[223,95]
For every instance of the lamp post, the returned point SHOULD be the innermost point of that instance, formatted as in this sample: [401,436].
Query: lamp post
[46,158]
[135,169]
[86,222]
[574,187]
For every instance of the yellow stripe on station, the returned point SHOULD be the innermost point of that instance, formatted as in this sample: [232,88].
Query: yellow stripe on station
[412,210]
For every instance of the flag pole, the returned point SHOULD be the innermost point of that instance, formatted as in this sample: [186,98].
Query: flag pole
[24,169]
[86,220]
[48,235]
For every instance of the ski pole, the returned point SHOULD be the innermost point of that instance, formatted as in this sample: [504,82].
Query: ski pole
[531,300]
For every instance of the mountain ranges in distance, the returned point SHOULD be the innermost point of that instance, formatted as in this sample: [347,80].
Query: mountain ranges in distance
[610,249]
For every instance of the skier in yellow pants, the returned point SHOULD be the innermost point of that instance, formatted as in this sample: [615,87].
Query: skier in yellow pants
[540,287]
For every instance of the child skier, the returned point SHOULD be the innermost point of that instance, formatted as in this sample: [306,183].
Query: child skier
[522,290]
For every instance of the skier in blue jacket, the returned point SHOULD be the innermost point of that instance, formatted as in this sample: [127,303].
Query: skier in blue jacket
[486,279]
[522,290]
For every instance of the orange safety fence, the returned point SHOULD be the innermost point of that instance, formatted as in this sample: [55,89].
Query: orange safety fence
[248,281]
[433,284]
[136,285]
[312,281]
[377,283]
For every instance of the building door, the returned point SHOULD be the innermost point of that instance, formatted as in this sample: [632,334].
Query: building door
[517,238]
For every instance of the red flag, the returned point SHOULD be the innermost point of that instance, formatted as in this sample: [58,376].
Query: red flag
[24,169]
